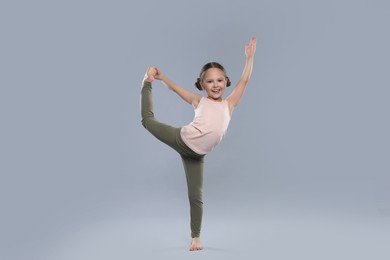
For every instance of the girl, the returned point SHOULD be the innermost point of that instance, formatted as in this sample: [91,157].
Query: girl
[195,140]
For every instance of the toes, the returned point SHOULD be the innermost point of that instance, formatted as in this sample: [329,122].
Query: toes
[195,247]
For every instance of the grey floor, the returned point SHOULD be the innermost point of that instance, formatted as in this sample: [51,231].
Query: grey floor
[274,233]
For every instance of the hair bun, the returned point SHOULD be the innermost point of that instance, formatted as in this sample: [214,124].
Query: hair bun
[228,83]
[197,84]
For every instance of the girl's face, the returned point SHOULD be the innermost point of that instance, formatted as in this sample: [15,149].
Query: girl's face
[214,83]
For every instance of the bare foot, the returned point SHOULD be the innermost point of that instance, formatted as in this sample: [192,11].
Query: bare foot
[195,244]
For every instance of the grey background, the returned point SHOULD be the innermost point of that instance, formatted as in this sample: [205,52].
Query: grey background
[303,171]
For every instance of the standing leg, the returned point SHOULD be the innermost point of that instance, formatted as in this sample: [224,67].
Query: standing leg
[194,174]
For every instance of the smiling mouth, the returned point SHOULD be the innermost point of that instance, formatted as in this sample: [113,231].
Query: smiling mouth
[216,91]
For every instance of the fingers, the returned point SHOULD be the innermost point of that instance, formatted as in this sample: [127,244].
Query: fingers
[253,40]
[252,44]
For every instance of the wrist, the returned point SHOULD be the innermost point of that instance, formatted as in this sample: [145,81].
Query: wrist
[162,77]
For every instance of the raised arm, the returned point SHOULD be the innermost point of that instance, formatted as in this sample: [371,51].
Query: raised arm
[186,95]
[235,97]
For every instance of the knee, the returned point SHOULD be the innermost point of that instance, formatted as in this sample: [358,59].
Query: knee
[196,199]
[145,121]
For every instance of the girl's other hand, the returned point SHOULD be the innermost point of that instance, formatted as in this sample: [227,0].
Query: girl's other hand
[250,48]
[153,73]
[150,74]
[159,75]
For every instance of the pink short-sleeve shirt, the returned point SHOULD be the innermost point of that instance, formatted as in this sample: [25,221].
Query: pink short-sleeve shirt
[208,127]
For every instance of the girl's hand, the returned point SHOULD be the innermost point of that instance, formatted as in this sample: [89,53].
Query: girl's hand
[159,75]
[152,73]
[250,48]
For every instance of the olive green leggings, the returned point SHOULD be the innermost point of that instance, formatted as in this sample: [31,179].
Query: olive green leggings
[192,162]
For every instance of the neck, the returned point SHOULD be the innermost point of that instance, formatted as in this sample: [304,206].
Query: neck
[216,100]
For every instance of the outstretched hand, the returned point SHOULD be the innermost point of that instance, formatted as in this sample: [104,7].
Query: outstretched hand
[250,48]
[153,73]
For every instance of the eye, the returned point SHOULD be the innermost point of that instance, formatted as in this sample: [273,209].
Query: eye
[220,80]
[209,81]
